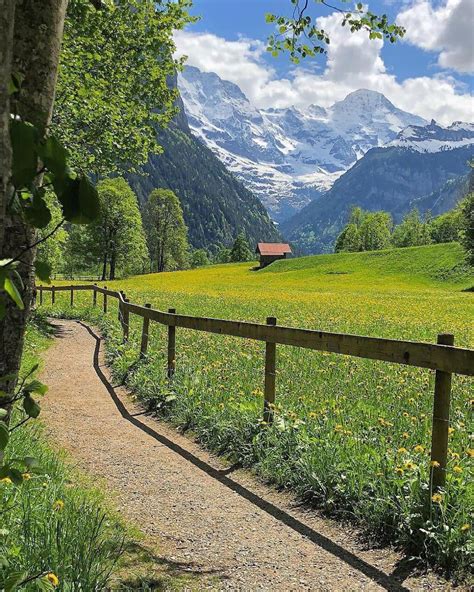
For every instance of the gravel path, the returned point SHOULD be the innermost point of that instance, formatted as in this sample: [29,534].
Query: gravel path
[207,518]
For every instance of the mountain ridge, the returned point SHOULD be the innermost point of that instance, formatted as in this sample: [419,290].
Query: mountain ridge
[287,157]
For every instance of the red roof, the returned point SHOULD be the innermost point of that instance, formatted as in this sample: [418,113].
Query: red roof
[273,248]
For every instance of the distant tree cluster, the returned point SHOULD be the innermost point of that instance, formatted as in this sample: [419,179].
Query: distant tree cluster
[371,231]
[128,240]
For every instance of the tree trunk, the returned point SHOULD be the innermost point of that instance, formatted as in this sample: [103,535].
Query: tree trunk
[104,267]
[37,35]
[113,261]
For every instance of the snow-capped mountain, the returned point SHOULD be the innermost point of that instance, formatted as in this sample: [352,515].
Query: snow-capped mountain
[434,138]
[287,157]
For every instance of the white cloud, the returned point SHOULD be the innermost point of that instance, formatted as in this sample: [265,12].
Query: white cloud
[353,62]
[446,30]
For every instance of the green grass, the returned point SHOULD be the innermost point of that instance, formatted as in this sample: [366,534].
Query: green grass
[351,436]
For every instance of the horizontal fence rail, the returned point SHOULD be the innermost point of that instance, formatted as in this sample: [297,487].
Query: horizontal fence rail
[443,356]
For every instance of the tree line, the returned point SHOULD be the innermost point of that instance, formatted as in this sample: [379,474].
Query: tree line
[372,231]
[126,239]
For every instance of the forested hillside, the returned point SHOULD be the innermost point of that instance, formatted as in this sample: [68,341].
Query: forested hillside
[216,206]
[393,179]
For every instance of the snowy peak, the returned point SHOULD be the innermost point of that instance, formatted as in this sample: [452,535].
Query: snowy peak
[290,156]
[435,138]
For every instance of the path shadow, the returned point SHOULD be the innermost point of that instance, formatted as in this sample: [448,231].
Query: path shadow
[391,582]
[144,570]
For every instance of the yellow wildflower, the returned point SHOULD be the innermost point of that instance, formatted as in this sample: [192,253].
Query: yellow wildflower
[435,464]
[457,469]
[399,471]
[450,430]
[58,505]
[6,480]
[410,466]
[406,435]
[402,450]
[437,498]
[26,476]
[418,448]
[470,452]
[465,527]
[53,579]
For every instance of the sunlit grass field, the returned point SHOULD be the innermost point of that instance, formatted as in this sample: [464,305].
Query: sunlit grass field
[351,436]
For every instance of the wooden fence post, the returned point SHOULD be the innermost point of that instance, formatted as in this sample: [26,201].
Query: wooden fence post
[126,321]
[145,329]
[440,430]
[105,301]
[171,346]
[94,295]
[120,316]
[270,371]
[53,295]
[72,296]
[41,295]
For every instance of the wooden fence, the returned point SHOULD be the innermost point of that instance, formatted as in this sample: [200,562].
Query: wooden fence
[442,357]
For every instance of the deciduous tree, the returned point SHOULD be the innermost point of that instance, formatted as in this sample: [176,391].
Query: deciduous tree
[165,230]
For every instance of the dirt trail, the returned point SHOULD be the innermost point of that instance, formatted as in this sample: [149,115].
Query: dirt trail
[206,518]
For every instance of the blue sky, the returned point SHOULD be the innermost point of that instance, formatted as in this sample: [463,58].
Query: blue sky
[430,73]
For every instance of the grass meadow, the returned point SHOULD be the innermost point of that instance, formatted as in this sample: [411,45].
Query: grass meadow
[350,436]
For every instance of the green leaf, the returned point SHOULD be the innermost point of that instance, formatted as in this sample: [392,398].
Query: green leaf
[35,386]
[3,413]
[10,584]
[31,407]
[4,435]
[54,156]
[88,200]
[38,214]
[11,289]
[30,462]
[79,199]
[3,561]
[43,271]
[24,148]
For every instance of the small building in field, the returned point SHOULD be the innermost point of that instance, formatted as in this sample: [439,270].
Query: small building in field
[270,252]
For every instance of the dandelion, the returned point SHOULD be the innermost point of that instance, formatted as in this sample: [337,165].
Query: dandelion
[419,449]
[457,469]
[435,464]
[58,505]
[26,476]
[465,527]
[450,430]
[437,498]
[410,466]
[399,471]
[6,480]
[402,450]
[406,435]
[52,579]
[470,452]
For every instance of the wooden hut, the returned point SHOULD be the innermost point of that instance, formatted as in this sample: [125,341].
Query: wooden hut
[270,252]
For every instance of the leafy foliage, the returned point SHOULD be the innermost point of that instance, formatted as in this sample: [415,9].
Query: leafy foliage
[165,230]
[112,86]
[240,249]
[116,239]
[301,37]
[199,258]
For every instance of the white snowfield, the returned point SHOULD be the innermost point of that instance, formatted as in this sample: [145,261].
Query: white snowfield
[287,157]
